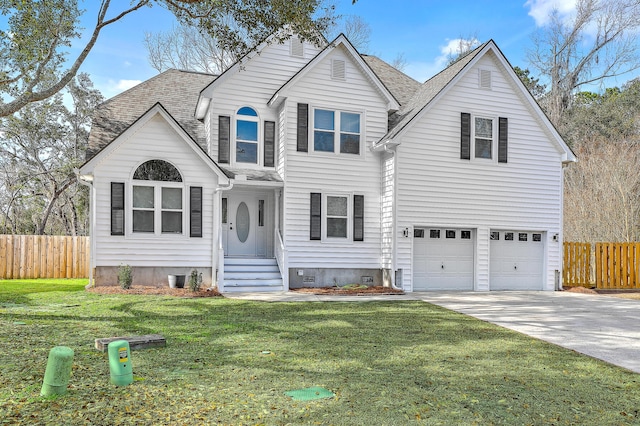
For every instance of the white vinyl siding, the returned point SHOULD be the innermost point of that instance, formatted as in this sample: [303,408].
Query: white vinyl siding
[311,172]
[261,76]
[148,142]
[437,188]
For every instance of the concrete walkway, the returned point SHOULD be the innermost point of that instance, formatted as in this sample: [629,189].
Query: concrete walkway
[606,328]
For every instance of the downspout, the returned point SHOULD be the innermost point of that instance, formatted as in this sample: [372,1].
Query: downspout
[394,233]
[85,180]
[217,242]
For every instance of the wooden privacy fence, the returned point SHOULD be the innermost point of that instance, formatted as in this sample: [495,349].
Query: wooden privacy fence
[43,256]
[577,265]
[609,266]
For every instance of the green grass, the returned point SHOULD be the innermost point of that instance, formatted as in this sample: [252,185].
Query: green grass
[388,363]
[17,291]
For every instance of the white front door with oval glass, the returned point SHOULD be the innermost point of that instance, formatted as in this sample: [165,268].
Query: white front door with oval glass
[242,219]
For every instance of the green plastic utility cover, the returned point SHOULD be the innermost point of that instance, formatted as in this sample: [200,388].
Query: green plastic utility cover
[309,394]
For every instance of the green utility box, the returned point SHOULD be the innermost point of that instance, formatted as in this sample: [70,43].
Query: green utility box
[120,363]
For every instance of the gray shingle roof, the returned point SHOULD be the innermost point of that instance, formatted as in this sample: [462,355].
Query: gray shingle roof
[176,90]
[427,92]
[401,86]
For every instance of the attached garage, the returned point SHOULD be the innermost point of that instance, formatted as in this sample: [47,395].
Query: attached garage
[517,260]
[443,259]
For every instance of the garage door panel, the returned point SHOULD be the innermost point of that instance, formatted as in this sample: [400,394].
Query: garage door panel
[441,263]
[517,260]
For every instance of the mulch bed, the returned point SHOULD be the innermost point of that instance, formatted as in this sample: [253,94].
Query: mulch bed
[161,291]
[582,290]
[348,291]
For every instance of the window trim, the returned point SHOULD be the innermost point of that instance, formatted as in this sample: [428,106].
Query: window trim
[259,137]
[348,218]
[494,138]
[337,132]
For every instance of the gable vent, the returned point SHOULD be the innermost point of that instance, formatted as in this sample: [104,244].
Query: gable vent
[485,79]
[338,69]
[297,47]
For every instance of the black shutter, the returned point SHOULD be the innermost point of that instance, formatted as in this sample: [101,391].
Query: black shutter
[503,136]
[224,132]
[269,143]
[316,216]
[195,214]
[117,208]
[303,127]
[358,218]
[465,136]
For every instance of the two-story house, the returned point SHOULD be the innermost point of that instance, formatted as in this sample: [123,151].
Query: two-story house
[313,166]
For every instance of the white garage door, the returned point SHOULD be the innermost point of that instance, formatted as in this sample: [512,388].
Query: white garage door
[516,260]
[442,259]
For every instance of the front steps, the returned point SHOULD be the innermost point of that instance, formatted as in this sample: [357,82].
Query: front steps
[251,274]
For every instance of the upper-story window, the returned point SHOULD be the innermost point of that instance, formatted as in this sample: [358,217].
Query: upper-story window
[336,131]
[485,138]
[157,200]
[483,132]
[247,136]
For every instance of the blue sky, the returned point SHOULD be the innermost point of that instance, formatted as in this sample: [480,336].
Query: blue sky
[423,31]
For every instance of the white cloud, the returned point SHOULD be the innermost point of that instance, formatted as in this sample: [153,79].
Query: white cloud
[422,71]
[540,10]
[123,85]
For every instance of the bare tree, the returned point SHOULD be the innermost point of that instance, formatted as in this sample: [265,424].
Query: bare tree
[399,62]
[357,31]
[461,47]
[185,47]
[598,42]
[354,27]
[602,193]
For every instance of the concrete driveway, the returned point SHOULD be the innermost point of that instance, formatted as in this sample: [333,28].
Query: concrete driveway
[603,327]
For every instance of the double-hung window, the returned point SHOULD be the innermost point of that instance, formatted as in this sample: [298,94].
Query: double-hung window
[336,131]
[483,141]
[157,199]
[336,217]
[484,137]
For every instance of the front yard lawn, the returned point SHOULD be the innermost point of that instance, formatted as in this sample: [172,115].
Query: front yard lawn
[230,362]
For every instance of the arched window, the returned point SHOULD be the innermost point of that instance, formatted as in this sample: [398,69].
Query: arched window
[157,170]
[247,136]
[157,198]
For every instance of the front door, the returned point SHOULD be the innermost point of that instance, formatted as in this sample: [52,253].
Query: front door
[246,230]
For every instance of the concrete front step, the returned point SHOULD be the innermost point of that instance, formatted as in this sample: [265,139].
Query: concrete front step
[251,274]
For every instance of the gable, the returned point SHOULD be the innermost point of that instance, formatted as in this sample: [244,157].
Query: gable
[469,69]
[258,74]
[115,115]
[340,62]
[155,134]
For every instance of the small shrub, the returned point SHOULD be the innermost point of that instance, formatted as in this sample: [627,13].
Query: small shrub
[125,276]
[195,280]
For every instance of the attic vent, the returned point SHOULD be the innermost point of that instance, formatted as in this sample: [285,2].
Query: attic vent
[297,47]
[338,69]
[485,79]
